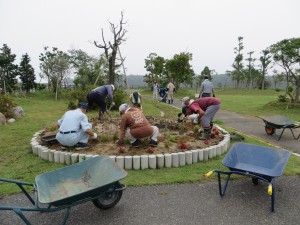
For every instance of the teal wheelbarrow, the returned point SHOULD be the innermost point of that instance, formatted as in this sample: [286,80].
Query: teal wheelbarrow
[96,180]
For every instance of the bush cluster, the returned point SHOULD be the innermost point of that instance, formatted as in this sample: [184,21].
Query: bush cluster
[6,106]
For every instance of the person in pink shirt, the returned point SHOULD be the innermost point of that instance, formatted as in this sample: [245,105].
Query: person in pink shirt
[206,109]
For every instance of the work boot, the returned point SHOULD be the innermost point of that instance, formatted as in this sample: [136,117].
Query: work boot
[153,143]
[100,118]
[81,145]
[206,136]
[211,125]
[136,144]
[169,101]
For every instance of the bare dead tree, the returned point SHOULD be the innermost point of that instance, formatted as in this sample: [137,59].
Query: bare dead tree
[111,49]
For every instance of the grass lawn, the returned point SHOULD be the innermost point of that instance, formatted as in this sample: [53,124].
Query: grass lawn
[41,110]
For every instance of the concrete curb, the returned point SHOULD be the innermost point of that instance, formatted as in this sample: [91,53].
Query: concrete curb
[136,162]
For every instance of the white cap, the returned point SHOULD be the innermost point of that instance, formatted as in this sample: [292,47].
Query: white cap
[185,99]
[113,87]
[123,107]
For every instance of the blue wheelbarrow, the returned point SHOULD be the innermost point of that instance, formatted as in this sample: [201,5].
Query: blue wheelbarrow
[257,162]
[95,180]
[279,122]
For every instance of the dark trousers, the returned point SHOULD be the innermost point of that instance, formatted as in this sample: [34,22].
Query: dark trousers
[205,95]
[95,97]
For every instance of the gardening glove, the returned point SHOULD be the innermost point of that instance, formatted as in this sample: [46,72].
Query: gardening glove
[112,104]
[95,136]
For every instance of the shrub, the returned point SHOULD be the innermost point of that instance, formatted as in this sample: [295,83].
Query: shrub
[120,96]
[282,98]
[6,105]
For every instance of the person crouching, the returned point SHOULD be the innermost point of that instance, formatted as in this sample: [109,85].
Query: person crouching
[135,126]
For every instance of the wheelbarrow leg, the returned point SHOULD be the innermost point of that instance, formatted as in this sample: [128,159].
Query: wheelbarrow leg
[222,191]
[21,215]
[66,216]
[280,134]
[273,198]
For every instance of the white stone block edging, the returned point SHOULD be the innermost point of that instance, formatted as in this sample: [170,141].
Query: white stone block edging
[136,162]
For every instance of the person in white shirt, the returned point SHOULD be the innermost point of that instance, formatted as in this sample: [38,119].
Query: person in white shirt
[171,91]
[74,128]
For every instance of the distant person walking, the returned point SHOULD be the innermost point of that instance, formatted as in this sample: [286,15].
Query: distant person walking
[207,88]
[155,89]
[171,91]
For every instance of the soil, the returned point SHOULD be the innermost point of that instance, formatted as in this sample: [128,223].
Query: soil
[173,137]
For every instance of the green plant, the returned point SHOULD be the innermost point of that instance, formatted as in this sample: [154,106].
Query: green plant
[6,105]
[282,98]
[171,138]
[115,136]
[105,138]
[167,144]
[196,128]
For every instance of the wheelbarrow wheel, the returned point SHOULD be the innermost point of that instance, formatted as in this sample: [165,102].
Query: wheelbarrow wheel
[110,198]
[269,130]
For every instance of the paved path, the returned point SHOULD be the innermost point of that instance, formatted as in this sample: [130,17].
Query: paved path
[255,127]
[184,204]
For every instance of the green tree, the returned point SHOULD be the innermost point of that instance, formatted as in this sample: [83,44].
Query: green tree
[8,70]
[55,65]
[237,74]
[26,73]
[286,54]
[207,72]
[249,74]
[179,70]
[265,61]
[89,70]
[112,48]
[154,65]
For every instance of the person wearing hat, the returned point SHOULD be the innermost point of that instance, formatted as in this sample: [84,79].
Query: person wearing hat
[206,88]
[98,96]
[135,126]
[74,128]
[206,109]
[135,99]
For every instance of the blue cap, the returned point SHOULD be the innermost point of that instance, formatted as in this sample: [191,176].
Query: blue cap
[83,105]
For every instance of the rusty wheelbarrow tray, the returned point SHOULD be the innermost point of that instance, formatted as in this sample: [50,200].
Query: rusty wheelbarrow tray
[95,180]
[257,162]
[279,122]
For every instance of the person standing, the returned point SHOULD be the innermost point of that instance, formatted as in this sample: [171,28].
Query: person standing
[74,128]
[207,88]
[155,89]
[98,96]
[135,126]
[206,109]
[171,91]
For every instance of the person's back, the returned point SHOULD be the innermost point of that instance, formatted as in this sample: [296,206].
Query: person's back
[207,88]
[71,120]
[203,103]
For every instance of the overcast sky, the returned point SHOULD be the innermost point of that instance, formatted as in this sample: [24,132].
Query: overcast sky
[208,29]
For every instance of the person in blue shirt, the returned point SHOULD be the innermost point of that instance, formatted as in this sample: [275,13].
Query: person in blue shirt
[74,128]
[98,96]
[207,88]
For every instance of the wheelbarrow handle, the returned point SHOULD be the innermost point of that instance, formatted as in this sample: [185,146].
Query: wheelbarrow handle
[270,189]
[207,175]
